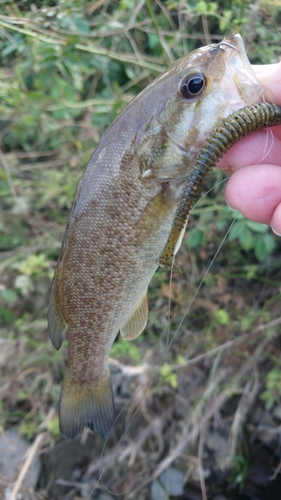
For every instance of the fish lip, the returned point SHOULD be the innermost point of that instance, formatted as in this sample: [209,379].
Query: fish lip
[227,44]
[235,40]
[238,64]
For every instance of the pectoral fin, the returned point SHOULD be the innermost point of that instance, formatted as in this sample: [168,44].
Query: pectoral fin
[56,321]
[137,320]
[180,238]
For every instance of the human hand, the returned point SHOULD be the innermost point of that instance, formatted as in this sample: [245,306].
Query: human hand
[254,187]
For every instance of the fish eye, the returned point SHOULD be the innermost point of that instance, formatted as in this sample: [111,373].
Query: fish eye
[193,84]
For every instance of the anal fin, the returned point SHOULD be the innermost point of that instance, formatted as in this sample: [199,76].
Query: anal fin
[136,322]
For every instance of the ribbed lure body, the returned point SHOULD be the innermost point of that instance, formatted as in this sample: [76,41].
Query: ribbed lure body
[231,130]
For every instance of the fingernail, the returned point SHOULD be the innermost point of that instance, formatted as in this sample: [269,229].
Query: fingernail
[275,232]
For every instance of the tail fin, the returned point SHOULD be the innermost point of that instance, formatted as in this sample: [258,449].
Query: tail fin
[86,406]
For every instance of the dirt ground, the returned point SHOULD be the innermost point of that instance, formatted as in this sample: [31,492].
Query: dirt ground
[201,428]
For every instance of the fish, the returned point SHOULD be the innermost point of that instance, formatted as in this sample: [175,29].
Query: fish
[122,215]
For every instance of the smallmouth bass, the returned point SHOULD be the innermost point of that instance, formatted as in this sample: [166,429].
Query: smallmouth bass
[122,216]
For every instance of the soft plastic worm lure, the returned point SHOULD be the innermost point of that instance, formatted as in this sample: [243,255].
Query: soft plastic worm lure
[229,131]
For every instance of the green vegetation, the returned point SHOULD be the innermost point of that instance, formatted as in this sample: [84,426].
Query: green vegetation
[126,352]
[241,466]
[67,68]
[272,390]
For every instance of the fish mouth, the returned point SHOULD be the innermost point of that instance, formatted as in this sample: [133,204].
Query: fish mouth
[239,71]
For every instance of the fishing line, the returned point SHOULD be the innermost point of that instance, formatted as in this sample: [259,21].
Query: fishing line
[208,269]
[168,342]
[171,272]
[169,308]
[205,275]
[266,153]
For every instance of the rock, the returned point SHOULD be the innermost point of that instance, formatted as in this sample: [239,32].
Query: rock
[157,492]
[105,496]
[70,458]
[192,493]
[173,481]
[277,412]
[218,444]
[12,450]
[267,419]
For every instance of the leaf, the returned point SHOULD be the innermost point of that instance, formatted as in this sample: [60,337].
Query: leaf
[221,316]
[246,238]
[82,25]
[264,246]
[24,284]
[54,427]
[8,295]
[257,227]
[236,230]
[195,237]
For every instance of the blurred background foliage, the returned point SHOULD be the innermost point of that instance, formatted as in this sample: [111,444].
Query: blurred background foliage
[67,68]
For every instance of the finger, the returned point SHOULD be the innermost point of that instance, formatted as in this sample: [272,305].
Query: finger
[255,191]
[276,220]
[269,76]
[262,146]
[252,150]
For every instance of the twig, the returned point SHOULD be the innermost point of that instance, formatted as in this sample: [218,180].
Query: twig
[245,403]
[29,457]
[14,25]
[275,473]
[120,57]
[228,344]
[139,370]
[97,5]
[201,466]
[190,435]
[119,454]
[130,370]
[128,58]
[167,14]
[8,175]
[206,30]
[166,50]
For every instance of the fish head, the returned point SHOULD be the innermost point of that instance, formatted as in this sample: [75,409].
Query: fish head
[226,74]
[194,95]
[213,82]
